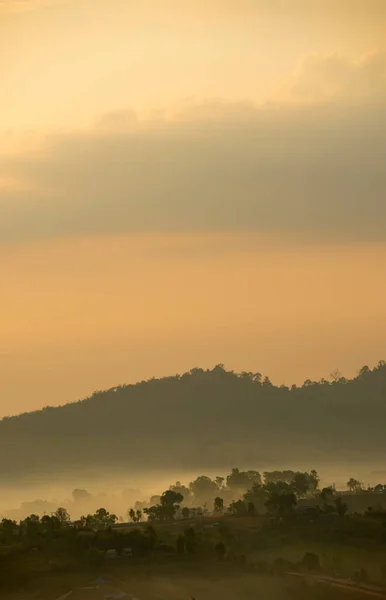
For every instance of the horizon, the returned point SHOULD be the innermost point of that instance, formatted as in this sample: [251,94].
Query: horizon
[183,183]
[330,379]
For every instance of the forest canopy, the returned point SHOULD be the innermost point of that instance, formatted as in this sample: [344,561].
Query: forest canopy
[236,417]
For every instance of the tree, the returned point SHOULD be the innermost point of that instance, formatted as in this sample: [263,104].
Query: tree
[220,482]
[336,376]
[135,515]
[180,489]
[203,489]
[241,481]
[326,493]
[171,498]
[63,516]
[354,485]
[251,508]
[31,526]
[364,371]
[131,514]
[9,528]
[185,512]
[169,502]
[380,488]
[50,524]
[102,519]
[257,378]
[218,504]
[276,476]
[314,480]
[326,496]
[281,500]
[257,497]
[341,506]
[238,508]
[155,513]
[301,484]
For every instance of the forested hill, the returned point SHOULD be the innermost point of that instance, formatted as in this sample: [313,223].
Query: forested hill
[203,418]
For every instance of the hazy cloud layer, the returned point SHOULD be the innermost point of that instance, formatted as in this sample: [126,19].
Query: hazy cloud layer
[316,169]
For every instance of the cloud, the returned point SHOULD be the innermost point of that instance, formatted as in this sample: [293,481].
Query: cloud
[316,170]
[333,77]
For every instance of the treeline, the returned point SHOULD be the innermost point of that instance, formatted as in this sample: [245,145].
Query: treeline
[204,512]
[229,413]
[240,493]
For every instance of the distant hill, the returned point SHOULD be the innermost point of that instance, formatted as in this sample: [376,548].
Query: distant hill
[201,419]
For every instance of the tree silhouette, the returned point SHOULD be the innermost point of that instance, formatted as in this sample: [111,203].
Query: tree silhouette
[354,485]
[281,500]
[301,484]
[218,504]
[241,481]
[63,516]
[341,506]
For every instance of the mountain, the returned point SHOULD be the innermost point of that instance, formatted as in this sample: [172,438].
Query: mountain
[201,419]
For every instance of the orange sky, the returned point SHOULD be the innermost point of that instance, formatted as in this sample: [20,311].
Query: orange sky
[184,184]
[86,314]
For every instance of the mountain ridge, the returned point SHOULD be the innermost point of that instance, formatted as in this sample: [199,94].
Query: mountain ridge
[210,417]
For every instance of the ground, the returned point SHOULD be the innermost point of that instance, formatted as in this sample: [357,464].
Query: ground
[202,576]
[246,587]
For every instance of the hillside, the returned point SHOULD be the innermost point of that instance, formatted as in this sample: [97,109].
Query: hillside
[201,419]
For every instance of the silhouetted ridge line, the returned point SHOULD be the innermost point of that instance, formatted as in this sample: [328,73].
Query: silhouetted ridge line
[235,416]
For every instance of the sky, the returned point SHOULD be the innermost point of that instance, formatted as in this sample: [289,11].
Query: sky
[186,183]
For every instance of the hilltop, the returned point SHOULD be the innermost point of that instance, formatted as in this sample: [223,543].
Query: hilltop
[201,419]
